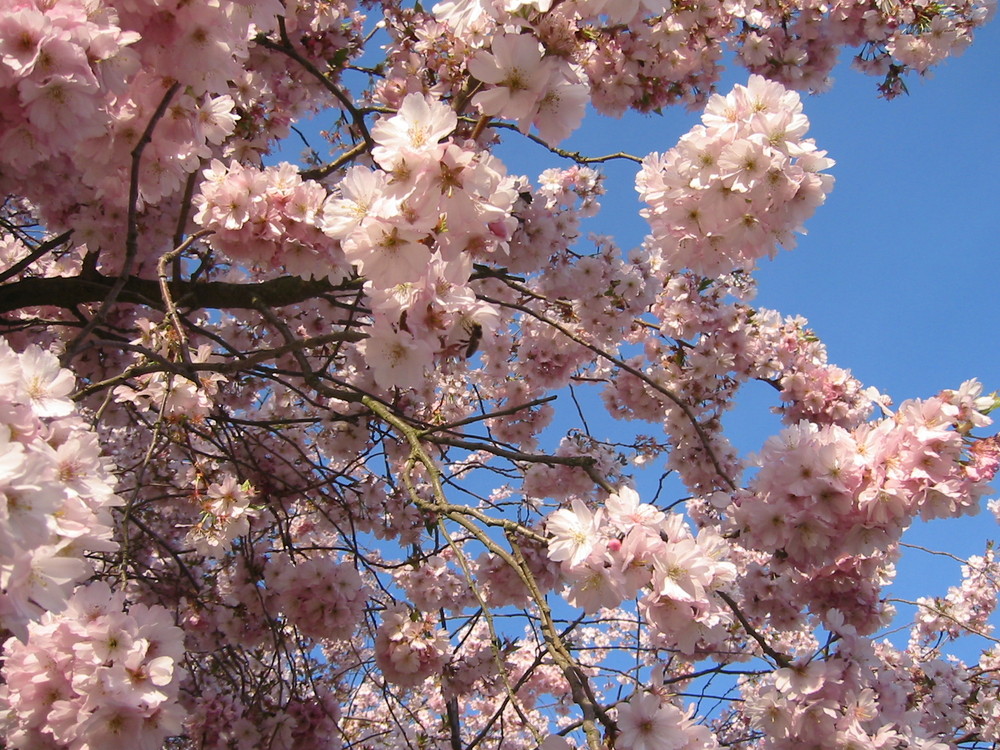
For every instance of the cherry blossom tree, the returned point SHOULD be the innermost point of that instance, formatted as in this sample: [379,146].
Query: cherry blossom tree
[284,460]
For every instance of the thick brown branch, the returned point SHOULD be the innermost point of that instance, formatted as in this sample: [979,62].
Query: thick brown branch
[214,295]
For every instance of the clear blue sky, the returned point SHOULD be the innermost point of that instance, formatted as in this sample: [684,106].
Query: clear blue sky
[899,272]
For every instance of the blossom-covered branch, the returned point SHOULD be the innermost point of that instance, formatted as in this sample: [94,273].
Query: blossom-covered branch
[392,449]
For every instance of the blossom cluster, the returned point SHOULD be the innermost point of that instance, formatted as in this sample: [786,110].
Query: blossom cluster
[830,504]
[500,584]
[409,648]
[893,38]
[868,695]
[61,62]
[627,547]
[822,393]
[94,676]
[647,55]
[56,490]
[177,398]
[323,598]
[823,492]
[646,722]
[268,218]
[529,86]
[929,35]
[225,514]
[413,228]
[965,609]
[78,93]
[433,584]
[736,186]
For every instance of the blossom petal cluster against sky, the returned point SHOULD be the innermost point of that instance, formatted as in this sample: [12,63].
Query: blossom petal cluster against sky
[415,445]
[899,272]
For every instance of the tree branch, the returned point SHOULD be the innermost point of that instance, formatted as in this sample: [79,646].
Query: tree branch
[287,49]
[213,295]
[34,255]
[132,230]
[622,365]
[780,659]
[576,678]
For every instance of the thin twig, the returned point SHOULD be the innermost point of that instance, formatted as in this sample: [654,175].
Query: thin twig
[161,273]
[318,173]
[575,156]
[286,48]
[779,658]
[622,365]
[578,681]
[34,255]
[132,230]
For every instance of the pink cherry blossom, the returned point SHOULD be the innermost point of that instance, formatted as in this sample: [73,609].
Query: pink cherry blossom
[519,75]
[417,127]
[574,532]
[304,451]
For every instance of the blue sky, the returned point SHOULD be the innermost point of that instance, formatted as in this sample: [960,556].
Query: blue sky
[899,272]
